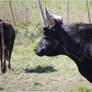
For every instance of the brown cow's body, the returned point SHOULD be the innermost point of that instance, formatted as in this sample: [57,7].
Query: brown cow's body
[7,37]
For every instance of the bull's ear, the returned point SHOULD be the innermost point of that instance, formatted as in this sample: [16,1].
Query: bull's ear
[49,19]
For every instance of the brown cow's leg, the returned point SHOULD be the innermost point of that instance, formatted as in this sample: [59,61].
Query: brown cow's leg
[9,64]
[10,48]
[3,66]
[9,59]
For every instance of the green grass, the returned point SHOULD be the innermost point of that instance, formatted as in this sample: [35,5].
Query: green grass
[32,73]
[81,88]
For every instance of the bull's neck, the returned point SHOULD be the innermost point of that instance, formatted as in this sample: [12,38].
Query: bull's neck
[72,49]
[75,52]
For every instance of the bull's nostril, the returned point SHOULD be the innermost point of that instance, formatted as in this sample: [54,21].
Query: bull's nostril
[34,49]
[42,50]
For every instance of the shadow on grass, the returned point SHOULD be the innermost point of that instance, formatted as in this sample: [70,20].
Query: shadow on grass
[1,88]
[40,69]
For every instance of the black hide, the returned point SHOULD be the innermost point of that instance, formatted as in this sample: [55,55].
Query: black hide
[73,40]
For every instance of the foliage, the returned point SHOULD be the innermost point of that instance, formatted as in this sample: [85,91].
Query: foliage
[28,20]
[33,73]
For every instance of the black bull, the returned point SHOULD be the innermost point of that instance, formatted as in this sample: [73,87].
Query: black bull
[73,40]
[7,37]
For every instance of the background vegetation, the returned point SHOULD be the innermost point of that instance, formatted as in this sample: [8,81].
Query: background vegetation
[44,74]
[28,20]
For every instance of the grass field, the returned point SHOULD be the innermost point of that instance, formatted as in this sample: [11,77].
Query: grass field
[41,74]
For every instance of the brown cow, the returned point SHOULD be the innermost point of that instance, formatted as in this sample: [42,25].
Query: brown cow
[7,37]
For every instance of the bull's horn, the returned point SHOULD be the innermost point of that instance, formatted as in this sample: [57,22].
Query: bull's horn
[49,19]
[42,14]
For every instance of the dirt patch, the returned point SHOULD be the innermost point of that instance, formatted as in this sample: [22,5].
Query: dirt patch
[38,81]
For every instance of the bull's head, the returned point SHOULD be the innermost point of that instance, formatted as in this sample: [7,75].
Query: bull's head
[50,45]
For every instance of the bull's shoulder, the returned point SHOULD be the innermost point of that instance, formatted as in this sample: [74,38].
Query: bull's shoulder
[75,27]
[85,26]
[85,31]
[71,27]
[79,31]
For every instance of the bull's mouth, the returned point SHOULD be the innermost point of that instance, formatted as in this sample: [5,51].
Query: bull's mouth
[46,53]
[39,53]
